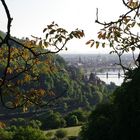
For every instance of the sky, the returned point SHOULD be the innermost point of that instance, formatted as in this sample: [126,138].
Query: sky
[30,17]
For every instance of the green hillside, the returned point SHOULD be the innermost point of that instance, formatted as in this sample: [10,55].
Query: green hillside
[70,85]
[2,34]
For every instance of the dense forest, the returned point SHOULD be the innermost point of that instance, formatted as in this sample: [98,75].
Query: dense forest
[67,84]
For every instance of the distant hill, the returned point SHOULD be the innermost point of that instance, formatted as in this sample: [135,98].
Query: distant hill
[2,34]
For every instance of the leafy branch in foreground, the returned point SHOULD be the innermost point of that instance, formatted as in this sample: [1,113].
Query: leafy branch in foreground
[20,62]
[122,35]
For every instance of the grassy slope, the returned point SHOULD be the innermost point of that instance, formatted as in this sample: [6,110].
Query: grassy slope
[71,131]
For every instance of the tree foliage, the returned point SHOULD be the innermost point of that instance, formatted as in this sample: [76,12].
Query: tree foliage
[20,61]
[100,123]
[127,103]
[5,135]
[60,134]
[52,120]
[28,133]
[120,119]
[121,35]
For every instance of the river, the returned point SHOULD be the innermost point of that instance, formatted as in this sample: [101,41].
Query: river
[111,76]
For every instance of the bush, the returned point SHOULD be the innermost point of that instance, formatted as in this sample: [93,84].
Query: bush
[61,133]
[52,120]
[72,120]
[20,122]
[49,134]
[28,133]
[80,114]
[5,135]
[35,124]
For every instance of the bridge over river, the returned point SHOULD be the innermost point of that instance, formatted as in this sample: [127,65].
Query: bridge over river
[109,74]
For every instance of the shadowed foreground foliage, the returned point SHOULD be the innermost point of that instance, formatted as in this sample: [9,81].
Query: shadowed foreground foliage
[118,120]
[22,133]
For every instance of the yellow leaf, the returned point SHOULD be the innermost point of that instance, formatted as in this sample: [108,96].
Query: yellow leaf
[99,35]
[27,78]
[25,109]
[97,44]
[37,61]
[9,70]
[2,125]
[127,19]
[108,35]
[25,55]
[104,35]
[41,92]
